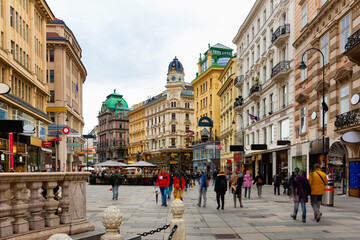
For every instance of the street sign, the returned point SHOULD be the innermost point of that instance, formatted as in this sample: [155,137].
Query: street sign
[74,135]
[65,130]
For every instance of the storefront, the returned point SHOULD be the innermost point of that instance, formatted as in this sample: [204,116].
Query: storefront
[4,154]
[266,167]
[282,163]
[238,162]
[249,165]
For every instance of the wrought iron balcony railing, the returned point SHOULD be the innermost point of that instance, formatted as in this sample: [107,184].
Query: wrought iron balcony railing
[281,66]
[255,88]
[348,119]
[282,30]
[239,102]
[239,79]
[353,41]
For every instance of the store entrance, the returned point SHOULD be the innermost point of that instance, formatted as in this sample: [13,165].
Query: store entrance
[336,166]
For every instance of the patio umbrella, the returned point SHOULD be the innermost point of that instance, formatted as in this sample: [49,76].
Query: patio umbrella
[110,163]
[141,164]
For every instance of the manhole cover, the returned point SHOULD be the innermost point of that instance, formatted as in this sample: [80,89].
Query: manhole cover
[227,236]
[256,217]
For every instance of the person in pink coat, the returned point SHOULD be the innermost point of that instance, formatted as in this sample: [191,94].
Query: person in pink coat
[247,182]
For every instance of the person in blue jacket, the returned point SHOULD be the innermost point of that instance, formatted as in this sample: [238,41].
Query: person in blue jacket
[204,184]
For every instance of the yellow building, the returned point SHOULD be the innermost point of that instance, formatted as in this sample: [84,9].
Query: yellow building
[207,105]
[137,133]
[23,68]
[227,94]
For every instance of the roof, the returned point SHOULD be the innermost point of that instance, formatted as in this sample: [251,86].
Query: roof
[54,36]
[59,21]
[189,87]
[175,65]
[218,45]
[113,99]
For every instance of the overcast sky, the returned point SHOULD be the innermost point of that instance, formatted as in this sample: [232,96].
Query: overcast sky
[127,45]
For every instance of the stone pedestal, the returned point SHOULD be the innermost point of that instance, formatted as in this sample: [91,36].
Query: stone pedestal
[36,222]
[111,220]
[178,209]
[6,228]
[50,205]
[19,209]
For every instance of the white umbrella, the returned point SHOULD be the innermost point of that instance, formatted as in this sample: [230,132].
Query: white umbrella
[141,164]
[110,163]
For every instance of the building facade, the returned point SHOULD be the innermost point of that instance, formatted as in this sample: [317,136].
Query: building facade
[137,132]
[65,76]
[169,122]
[333,28]
[23,68]
[264,107]
[227,94]
[207,106]
[113,129]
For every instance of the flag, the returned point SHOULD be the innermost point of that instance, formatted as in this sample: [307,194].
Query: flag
[219,146]
[253,117]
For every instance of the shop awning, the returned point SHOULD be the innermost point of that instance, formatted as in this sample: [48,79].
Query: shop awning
[6,152]
[53,139]
[46,150]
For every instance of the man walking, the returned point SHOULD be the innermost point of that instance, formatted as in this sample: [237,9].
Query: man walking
[115,180]
[220,189]
[259,180]
[317,181]
[163,181]
[203,188]
[277,182]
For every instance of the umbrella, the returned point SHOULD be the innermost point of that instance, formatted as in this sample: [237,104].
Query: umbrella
[110,163]
[141,164]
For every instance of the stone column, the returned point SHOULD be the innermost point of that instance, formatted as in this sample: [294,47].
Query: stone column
[178,209]
[6,228]
[36,222]
[111,220]
[51,220]
[64,203]
[20,209]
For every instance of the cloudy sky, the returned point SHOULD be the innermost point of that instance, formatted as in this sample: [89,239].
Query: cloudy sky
[128,44]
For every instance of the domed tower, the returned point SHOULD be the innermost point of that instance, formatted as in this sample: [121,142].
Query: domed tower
[175,73]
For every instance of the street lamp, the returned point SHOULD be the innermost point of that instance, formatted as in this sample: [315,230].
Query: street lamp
[243,134]
[303,66]
[57,164]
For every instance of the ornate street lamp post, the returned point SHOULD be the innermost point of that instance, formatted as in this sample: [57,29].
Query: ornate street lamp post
[324,106]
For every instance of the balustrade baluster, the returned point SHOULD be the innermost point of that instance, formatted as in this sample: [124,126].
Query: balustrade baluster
[19,209]
[35,206]
[51,205]
[64,203]
[6,228]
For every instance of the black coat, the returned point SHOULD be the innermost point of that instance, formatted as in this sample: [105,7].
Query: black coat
[239,183]
[221,184]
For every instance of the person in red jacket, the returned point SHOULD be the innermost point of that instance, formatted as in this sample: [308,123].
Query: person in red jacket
[179,185]
[163,182]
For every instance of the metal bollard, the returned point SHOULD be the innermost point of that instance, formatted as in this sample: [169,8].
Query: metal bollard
[112,219]
[328,197]
[178,209]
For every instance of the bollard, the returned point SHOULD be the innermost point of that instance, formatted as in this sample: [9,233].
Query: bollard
[111,220]
[60,236]
[178,209]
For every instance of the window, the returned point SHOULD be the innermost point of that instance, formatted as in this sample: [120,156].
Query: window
[264,106]
[52,76]
[272,6]
[271,102]
[1,8]
[323,2]
[284,96]
[325,48]
[173,128]
[264,44]
[345,32]
[344,99]
[258,24]
[258,110]
[252,138]
[173,142]
[285,129]
[51,55]
[303,120]
[11,17]
[52,96]
[326,113]
[173,116]
[264,73]
[264,16]
[304,16]
[2,40]
[187,127]
[186,116]
[304,71]
[264,136]
[272,134]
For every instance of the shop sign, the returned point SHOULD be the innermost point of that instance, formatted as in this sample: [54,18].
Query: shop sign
[258,147]
[351,137]
[46,144]
[4,88]
[37,142]
[74,144]
[173,162]
[11,126]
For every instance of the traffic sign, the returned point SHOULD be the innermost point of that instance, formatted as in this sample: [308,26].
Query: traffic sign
[65,130]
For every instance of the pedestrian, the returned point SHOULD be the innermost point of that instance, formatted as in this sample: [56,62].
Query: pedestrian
[239,184]
[285,185]
[301,191]
[247,183]
[1,168]
[233,181]
[317,181]
[259,180]
[179,185]
[277,182]
[215,173]
[163,182]
[220,189]
[204,184]
[228,177]
[187,181]
[170,189]
[115,180]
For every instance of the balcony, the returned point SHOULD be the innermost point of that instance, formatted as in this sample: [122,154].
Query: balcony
[352,48]
[255,91]
[239,80]
[239,101]
[281,35]
[348,120]
[281,71]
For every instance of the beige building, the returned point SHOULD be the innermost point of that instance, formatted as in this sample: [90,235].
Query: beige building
[266,87]
[65,76]
[23,68]
[137,132]
[333,28]
[169,122]
[227,94]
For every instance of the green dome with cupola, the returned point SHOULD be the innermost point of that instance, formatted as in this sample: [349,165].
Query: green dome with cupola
[114,101]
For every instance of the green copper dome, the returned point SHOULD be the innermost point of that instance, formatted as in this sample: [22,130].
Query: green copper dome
[113,99]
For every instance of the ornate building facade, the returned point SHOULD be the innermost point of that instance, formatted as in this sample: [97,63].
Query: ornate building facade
[266,86]
[113,129]
[169,122]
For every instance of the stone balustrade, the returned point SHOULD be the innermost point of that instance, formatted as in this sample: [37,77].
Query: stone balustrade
[26,212]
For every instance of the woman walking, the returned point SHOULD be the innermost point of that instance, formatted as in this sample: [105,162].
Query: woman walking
[239,183]
[220,189]
[259,180]
[233,181]
[300,194]
[247,183]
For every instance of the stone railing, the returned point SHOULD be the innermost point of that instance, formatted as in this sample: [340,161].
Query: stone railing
[37,205]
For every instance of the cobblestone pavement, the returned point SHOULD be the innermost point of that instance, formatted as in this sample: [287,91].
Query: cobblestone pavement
[261,218]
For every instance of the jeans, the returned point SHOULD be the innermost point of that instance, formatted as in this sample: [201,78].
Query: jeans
[259,188]
[169,191]
[246,189]
[277,187]
[203,195]
[315,203]
[163,194]
[115,192]
[218,195]
[303,208]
